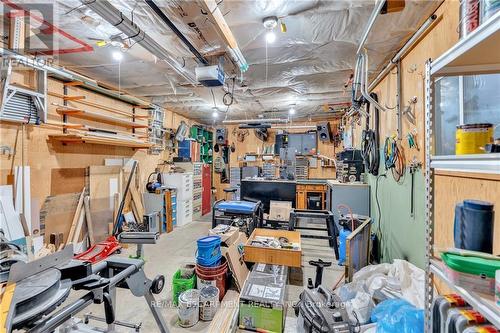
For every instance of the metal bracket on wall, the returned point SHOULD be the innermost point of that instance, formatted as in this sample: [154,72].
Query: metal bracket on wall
[399,97]
[429,208]
[20,104]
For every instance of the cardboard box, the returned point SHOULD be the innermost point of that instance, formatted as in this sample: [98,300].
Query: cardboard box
[234,258]
[263,299]
[227,238]
[274,256]
[280,210]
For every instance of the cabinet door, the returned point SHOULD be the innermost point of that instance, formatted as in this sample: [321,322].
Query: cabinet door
[301,200]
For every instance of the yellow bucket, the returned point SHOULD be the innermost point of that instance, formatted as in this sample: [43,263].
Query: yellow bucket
[471,138]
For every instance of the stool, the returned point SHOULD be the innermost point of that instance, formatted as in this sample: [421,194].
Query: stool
[229,190]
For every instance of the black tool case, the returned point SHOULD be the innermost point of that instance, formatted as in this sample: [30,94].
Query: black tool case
[320,311]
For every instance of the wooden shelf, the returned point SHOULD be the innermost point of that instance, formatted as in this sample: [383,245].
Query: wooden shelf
[74,112]
[99,106]
[475,54]
[78,139]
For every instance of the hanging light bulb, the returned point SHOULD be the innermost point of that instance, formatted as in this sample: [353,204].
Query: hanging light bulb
[215,114]
[291,111]
[117,55]
[270,37]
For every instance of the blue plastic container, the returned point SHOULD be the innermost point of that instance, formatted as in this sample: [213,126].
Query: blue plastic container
[209,253]
[342,245]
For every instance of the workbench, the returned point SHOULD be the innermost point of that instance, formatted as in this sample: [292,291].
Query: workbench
[295,191]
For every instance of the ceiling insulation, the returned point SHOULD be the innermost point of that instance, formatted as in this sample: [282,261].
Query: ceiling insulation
[305,68]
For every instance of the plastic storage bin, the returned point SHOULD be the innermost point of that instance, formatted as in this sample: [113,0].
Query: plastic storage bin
[471,272]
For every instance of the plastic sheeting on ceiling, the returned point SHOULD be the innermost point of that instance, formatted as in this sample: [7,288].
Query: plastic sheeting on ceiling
[307,66]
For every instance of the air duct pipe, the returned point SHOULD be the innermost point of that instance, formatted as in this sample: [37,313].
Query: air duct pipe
[364,82]
[67,75]
[116,18]
[402,52]
[371,21]
[259,120]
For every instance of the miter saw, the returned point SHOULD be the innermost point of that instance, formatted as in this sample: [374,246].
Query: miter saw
[34,297]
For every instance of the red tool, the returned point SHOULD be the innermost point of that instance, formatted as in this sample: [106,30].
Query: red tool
[100,250]
[104,249]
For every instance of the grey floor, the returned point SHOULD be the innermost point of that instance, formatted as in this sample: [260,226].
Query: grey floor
[177,248]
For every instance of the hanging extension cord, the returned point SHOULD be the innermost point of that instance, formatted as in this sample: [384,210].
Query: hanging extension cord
[370,142]
[394,159]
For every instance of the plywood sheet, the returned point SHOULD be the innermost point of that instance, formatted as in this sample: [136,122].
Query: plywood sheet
[104,181]
[57,214]
[66,180]
[449,191]
[22,192]
[9,218]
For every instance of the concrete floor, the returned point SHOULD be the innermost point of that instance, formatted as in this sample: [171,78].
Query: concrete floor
[177,248]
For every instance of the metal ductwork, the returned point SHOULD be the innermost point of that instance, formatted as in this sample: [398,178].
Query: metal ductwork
[116,18]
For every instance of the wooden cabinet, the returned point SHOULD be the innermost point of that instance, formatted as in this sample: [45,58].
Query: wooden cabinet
[305,190]
[301,201]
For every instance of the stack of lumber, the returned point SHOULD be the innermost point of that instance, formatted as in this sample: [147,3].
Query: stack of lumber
[87,217]
[54,216]
[226,318]
[80,133]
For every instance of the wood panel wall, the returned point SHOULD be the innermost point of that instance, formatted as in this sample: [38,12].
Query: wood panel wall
[46,157]
[450,189]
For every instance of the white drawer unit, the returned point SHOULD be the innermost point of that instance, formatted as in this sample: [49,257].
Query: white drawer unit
[184,212]
[183,182]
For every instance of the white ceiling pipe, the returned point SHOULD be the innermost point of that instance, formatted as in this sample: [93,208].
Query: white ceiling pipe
[259,120]
[402,52]
[364,82]
[293,127]
[116,18]
[371,21]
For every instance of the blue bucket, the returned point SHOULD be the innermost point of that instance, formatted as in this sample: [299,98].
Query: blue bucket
[209,253]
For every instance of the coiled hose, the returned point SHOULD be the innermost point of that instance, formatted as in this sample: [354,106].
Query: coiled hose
[394,159]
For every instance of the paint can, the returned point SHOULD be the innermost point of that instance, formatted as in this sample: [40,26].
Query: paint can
[189,308]
[469,17]
[209,302]
[213,276]
[472,138]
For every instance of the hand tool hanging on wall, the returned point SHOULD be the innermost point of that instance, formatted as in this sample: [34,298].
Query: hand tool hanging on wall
[414,166]
[408,112]
[111,245]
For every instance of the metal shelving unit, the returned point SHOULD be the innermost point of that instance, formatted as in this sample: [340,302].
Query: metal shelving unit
[485,305]
[473,55]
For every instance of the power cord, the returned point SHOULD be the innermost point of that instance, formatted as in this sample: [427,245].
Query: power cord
[369,151]
[394,159]
[379,228]
[370,142]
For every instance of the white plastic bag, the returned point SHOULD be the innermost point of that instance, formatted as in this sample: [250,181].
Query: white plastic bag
[359,309]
